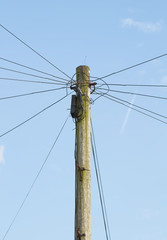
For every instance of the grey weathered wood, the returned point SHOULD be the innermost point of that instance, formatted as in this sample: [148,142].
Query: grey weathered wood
[83,173]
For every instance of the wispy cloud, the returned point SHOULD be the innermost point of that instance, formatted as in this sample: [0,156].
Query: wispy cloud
[147,27]
[127,115]
[2,160]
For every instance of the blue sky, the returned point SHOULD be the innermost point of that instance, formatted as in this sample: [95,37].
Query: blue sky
[107,36]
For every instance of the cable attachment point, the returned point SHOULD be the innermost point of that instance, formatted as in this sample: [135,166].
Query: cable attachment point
[94,88]
[79,235]
[77,105]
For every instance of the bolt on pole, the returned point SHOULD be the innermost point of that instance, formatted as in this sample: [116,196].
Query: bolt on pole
[82,162]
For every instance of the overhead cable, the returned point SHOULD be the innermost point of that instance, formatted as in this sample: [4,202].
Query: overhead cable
[34,50]
[33,69]
[27,120]
[133,66]
[32,75]
[142,108]
[35,179]
[29,81]
[32,93]
[122,102]
[134,85]
[132,93]
[99,183]
[132,104]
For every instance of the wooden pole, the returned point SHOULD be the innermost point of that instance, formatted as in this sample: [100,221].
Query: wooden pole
[83,141]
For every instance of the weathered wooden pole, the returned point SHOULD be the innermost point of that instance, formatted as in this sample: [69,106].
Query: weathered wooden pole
[83,141]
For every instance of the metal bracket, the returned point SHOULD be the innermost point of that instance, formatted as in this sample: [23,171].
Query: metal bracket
[75,87]
[92,84]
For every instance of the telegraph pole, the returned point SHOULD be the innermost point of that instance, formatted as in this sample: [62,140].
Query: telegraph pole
[82,161]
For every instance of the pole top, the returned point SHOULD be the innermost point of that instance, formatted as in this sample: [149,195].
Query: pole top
[83,68]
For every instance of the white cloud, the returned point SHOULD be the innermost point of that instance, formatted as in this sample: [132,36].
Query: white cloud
[2,160]
[147,27]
